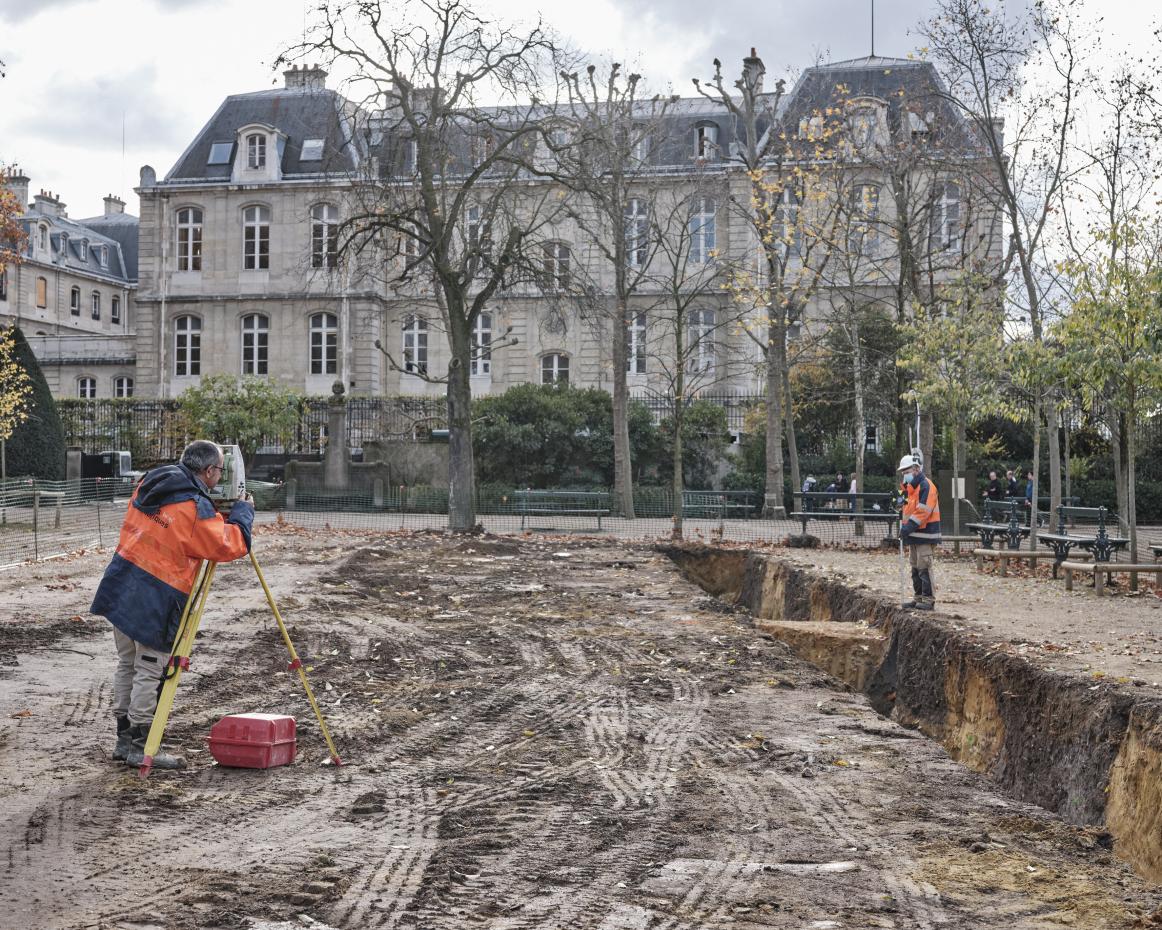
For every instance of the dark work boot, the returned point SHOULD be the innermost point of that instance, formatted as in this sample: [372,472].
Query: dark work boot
[917,589]
[926,599]
[124,740]
[136,755]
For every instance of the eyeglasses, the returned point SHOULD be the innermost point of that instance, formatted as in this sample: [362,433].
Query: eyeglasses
[220,468]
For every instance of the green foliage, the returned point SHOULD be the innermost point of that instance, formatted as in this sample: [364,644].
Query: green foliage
[705,441]
[245,411]
[550,436]
[37,446]
[955,354]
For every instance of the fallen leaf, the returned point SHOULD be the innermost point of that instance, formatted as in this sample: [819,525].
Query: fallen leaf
[21,713]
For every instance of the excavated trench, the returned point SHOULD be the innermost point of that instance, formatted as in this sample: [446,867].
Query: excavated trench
[1090,752]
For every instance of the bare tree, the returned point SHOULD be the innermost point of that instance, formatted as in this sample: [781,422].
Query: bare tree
[781,157]
[449,106]
[1017,80]
[692,327]
[601,152]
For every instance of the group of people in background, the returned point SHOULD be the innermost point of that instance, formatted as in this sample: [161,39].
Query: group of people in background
[1009,488]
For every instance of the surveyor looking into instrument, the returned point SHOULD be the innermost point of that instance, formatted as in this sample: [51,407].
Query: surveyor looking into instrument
[171,526]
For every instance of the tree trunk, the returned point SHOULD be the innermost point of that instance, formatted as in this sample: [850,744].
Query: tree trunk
[957,434]
[461,468]
[789,424]
[1035,468]
[927,441]
[1052,417]
[622,464]
[860,424]
[773,506]
[679,398]
[1130,514]
[1119,427]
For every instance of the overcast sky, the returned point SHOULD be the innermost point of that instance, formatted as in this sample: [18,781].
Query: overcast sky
[97,88]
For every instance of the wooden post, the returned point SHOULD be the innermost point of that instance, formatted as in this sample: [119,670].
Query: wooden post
[1068,577]
[1099,580]
[291,487]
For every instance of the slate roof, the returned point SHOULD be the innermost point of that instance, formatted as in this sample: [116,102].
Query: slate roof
[63,231]
[297,113]
[124,229]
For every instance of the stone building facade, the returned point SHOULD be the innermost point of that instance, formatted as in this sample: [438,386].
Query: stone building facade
[72,293]
[238,245]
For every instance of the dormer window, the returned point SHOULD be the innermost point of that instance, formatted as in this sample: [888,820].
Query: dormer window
[102,256]
[220,153]
[256,150]
[706,140]
[83,250]
[44,238]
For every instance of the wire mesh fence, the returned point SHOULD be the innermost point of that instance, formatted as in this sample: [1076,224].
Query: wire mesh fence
[42,520]
[48,519]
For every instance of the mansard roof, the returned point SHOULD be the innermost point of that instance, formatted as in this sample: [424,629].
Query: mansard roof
[299,114]
[123,228]
[65,236]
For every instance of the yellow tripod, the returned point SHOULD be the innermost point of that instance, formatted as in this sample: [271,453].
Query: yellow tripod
[179,661]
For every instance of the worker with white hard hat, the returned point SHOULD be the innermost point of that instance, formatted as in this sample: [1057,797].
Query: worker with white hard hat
[919,528]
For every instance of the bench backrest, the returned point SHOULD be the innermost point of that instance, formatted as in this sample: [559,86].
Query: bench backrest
[1072,515]
[865,501]
[564,500]
[1004,509]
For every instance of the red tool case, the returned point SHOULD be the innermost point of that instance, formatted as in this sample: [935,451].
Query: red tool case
[253,741]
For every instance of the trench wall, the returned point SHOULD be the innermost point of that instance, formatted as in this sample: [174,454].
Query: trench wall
[1089,751]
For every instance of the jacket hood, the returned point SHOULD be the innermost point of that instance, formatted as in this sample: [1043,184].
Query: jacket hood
[168,484]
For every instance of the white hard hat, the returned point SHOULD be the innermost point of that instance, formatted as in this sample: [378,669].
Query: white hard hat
[908,461]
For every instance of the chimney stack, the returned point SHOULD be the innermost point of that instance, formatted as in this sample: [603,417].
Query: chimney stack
[306,78]
[114,204]
[49,204]
[17,182]
[753,70]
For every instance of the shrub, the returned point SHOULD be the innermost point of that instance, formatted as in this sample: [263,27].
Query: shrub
[37,446]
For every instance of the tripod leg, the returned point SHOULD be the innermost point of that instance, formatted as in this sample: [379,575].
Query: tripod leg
[296,662]
[179,660]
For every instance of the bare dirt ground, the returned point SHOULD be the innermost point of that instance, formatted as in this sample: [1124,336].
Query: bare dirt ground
[540,733]
[1027,613]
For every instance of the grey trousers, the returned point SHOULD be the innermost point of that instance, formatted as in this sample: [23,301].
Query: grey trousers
[137,681]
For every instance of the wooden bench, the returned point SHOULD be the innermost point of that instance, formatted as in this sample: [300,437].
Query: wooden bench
[1009,527]
[561,504]
[718,505]
[1100,545]
[1102,570]
[1003,556]
[839,505]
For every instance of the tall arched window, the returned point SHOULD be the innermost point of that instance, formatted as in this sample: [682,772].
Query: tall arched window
[256,238]
[702,230]
[635,344]
[865,211]
[555,369]
[42,294]
[557,264]
[324,344]
[255,331]
[706,140]
[786,219]
[945,217]
[187,348]
[123,386]
[256,150]
[115,309]
[75,301]
[415,344]
[700,333]
[482,345]
[189,221]
[95,304]
[637,232]
[86,388]
[324,235]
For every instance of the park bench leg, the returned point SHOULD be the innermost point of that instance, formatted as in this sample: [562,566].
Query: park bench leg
[1068,572]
